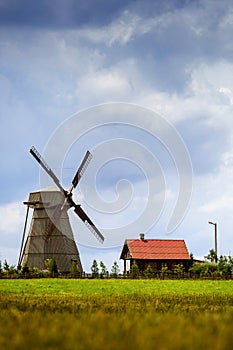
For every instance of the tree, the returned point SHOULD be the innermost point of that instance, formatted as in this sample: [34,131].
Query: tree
[191,261]
[230,262]
[6,266]
[53,268]
[224,266]
[115,269]
[212,257]
[134,270]
[103,271]
[95,269]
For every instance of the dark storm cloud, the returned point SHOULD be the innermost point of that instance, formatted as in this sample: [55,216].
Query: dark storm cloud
[75,13]
[58,13]
[186,33]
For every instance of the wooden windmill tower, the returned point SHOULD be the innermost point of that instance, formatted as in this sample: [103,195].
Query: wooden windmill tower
[50,233]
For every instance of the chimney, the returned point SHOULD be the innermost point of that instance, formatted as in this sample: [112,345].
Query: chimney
[142,236]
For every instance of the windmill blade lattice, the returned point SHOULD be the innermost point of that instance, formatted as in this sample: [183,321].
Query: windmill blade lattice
[46,167]
[87,221]
[83,167]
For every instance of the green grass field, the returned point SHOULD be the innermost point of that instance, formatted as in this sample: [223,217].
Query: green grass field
[115,286]
[116,314]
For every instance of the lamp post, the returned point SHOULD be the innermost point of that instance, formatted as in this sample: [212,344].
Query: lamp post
[215,238]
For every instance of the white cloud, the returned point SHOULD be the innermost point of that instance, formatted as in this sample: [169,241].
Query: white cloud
[12,217]
[219,203]
[105,84]
[9,254]
[204,96]
[228,92]
[11,229]
[227,160]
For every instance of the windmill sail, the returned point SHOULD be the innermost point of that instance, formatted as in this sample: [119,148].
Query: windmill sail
[45,166]
[83,216]
[82,168]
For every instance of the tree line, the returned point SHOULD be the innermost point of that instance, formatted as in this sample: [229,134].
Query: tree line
[52,270]
[211,267]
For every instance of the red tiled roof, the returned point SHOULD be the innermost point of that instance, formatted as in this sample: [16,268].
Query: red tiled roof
[157,249]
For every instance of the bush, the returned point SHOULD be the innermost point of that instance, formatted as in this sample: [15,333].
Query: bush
[53,267]
[74,271]
[134,271]
[25,268]
[179,270]
[149,273]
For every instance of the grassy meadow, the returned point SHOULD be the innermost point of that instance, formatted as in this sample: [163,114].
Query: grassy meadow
[116,314]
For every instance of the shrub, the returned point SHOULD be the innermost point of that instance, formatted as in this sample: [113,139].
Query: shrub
[149,273]
[179,270]
[53,267]
[74,271]
[134,271]
[164,270]
[25,268]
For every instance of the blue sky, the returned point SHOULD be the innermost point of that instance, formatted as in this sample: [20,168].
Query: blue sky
[172,57]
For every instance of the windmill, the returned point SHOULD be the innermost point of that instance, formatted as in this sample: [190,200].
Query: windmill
[50,233]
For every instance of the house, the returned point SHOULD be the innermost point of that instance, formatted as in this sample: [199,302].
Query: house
[155,252]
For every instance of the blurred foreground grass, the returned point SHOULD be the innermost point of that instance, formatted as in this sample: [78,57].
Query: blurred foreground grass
[116,315]
[41,330]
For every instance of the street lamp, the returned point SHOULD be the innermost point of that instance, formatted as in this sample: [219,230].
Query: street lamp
[215,238]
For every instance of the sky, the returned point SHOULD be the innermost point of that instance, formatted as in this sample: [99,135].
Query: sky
[127,79]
